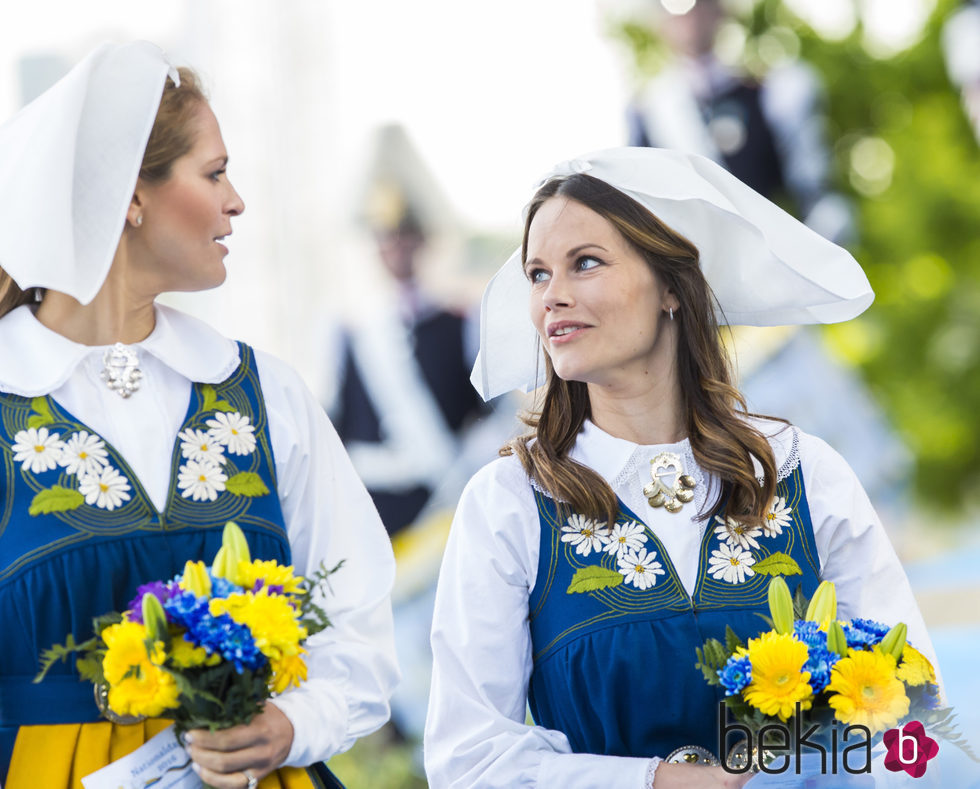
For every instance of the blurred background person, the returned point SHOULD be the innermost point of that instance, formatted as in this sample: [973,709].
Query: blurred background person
[400,396]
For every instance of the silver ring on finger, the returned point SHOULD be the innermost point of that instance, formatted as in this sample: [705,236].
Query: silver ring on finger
[252,780]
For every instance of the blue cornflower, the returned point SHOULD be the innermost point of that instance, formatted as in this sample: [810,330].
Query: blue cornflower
[222,587]
[186,609]
[810,634]
[735,674]
[864,633]
[231,640]
[819,664]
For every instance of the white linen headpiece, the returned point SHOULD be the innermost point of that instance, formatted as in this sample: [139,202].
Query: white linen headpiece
[69,161]
[765,267]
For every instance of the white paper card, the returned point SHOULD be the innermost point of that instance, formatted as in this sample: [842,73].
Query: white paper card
[160,763]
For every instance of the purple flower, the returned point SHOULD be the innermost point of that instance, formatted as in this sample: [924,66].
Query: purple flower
[162,591]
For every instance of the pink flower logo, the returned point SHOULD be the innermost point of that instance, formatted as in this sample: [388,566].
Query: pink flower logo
[909,749]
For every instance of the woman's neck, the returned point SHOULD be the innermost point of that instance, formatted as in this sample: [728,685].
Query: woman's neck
[118,313]
[642,412]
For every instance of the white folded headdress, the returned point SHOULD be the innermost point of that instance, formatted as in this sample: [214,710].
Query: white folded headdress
[69,161]
[765,267]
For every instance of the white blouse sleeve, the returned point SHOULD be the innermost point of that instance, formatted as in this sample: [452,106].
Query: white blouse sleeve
[476,732]
[330,517]
[854,549]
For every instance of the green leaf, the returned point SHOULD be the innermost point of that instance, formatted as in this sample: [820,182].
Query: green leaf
[42,413]
[732,641]
[211,401]
[800,603]
[778,563]
[56,499]
[588,579]
[246,483]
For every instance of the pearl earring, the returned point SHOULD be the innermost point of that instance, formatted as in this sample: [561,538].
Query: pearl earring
[139,220]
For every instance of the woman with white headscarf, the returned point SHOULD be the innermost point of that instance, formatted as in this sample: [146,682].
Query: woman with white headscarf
[123,424]
[587,564]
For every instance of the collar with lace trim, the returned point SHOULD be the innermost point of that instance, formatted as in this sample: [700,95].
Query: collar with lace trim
[37,360]
[609,455]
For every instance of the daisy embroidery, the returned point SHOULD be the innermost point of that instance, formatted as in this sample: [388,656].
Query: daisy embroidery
[200,481]
[84,454]
[37,449]
[625,537]
[777,518]
[731,563]
[640,568]
[737,534]
[232,431]
[584,534]
[105,488]
[201,447]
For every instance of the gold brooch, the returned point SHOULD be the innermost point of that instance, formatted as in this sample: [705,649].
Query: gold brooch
[671,488]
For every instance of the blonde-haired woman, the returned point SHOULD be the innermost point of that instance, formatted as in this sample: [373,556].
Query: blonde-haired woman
[586,565]
[115,190]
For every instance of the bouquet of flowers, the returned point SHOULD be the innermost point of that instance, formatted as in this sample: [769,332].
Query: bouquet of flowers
[205,648]
[813,667]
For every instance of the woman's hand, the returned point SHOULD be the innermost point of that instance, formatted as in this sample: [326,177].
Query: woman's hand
[226,759]
[693,776]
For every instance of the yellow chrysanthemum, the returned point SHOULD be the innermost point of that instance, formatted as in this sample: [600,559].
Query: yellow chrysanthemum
[866,691]
[270,572]
[915,668]
[272,621]
[185,655]
[778,680]
[291,670]
[137,685]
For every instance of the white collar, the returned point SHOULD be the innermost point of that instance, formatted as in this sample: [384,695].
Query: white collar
[37,360]
[609,455]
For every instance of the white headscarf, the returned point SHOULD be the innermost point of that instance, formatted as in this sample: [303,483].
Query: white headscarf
[765,267]
[69,161]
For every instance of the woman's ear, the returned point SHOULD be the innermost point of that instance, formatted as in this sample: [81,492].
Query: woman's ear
[134,215]
[671,302]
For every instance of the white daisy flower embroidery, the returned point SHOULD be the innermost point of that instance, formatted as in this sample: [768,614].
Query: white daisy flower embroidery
[624,537]
[585,534]
[233,431]
[200,481]
[731,563]
[84,453]
[37,449]
[105,488]
[777,518]
[201,447]
[640,568]
[737,534]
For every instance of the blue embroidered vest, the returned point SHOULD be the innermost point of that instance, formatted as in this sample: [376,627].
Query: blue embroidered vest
[614,646]
[78,534]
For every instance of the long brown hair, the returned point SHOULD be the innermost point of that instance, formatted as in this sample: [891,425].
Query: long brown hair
[723,442]
[171,137]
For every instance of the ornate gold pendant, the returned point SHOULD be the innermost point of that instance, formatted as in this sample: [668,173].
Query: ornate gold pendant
[671,488]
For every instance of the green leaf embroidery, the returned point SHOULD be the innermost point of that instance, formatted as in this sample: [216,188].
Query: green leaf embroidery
[42,413]
[246,483]
[211,401]
[778,564]
[55,499]
[588,579]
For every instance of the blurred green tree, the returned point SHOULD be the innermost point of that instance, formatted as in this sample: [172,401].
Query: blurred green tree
[905,153]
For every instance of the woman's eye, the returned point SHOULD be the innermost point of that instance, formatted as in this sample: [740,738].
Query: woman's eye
[216,175]
[586,263]
[537,275]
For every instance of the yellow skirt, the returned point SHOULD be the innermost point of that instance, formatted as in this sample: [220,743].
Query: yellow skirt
[58,757]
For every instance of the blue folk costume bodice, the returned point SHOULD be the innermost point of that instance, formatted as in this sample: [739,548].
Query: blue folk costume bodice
[614,648]
[66,557]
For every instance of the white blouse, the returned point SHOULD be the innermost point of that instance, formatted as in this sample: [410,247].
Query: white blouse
[328,513]
[476,734]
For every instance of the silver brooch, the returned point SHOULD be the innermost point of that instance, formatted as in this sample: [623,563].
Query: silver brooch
[120,370]
[671,488]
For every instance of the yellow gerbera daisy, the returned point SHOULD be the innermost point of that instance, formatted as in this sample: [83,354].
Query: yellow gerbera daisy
[137,685]
[270,572]
[185,655]
[272,621]
[778,680]
[291,670]
[866,691]
[915,668]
